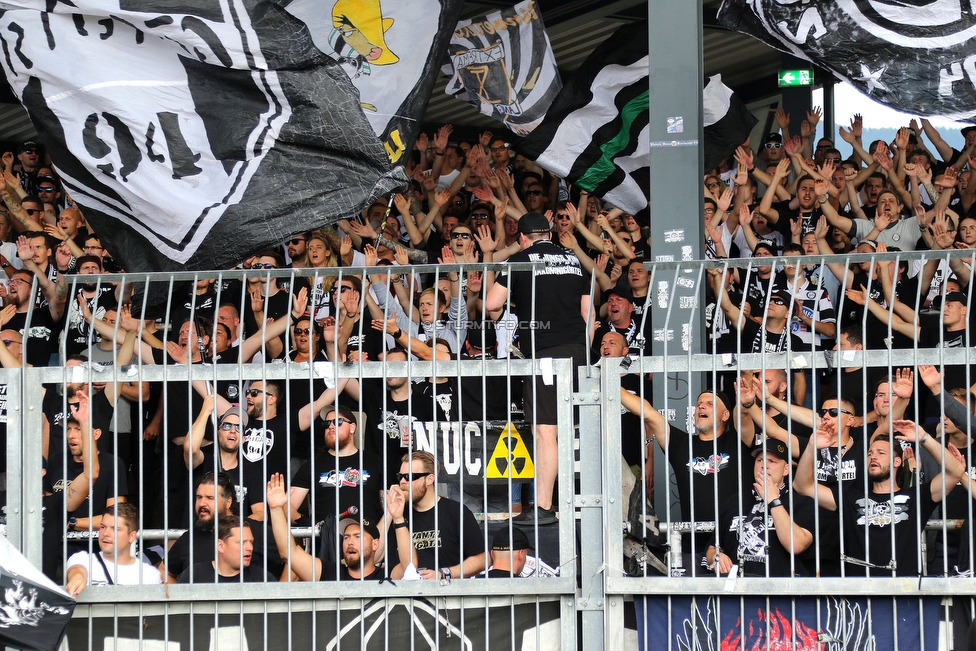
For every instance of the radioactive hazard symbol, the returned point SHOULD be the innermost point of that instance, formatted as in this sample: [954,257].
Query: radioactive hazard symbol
[510,458]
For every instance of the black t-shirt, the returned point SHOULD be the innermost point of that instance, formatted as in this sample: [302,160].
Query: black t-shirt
[704,469]
[787,215]
[756,339]
[265,442]
[326,475]
[247,482]
[878,512]
[387,421]
[557,288]
[441,544]
[206,573]
[376,575]
[750,549]
[43,338]
[637,339]
[184,552]
[442,397]
[631,425]
[103,488]
[275,307]
[196,305]
[491,399]
[76,329]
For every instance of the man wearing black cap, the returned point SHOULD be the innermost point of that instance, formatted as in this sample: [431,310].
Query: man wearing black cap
[99,298]
[773,335]
[773,146]
[772,532]
[508,554]
[29,157]
[620,318]
[554,309]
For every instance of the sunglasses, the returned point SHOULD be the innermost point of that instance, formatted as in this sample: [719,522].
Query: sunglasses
[302,331]
[338,422]
[226,427]
[777,300]
[712,185]
[8,342]
[499,148]
[479,215]
[833,411]
[263,265]
[459,202]
[773,145]
[31,211]
[406,476]
[835,160]
[254,393]
[823,147]
[533,193]
[460,236]
[45,189]
[294,242]
[29,151]
[342,289]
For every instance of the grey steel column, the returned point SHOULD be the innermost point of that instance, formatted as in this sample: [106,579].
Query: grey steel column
[677,160]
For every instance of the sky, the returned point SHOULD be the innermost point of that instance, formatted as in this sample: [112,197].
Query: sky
[848,101]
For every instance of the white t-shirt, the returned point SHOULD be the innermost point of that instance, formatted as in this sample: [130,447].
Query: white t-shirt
[139,572]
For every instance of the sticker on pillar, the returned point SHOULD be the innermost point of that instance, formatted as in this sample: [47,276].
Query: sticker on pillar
[685,282]
[659,334]
[664,258]
[669,414]
[510,458]
[662,294]
[676,124]
[674,235]
[687,253]
[688,302]
[686,336]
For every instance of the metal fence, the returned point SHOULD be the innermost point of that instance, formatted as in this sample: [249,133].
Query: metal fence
[608,558]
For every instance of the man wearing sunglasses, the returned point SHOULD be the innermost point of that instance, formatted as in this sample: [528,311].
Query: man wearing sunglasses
[445,534]
[773,148]
[882,523]
[340,476]
[29,156]
[297,251]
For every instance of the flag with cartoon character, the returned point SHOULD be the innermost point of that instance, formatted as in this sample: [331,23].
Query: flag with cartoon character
[192,134]
[391,50]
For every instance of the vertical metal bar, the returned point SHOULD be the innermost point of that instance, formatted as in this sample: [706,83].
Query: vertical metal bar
[613,501]
[15,470]
[31,497]
[563,369]
[591,511]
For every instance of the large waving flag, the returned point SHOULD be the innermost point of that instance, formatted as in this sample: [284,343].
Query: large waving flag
[192,133]
[391,51]
[34,612]
[503,65]
[596,131]
[912,55]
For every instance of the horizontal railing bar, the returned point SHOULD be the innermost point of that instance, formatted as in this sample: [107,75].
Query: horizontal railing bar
[792,587]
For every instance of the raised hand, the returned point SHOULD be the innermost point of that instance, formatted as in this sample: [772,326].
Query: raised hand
[930,376]
[857,296]
[905,430]
[345,245]
[745,215]
[813,117]
[904,383]
[422,141]
[299,305]
[821,228]
[820,187]
[24,250]
[447,256]
[725,200]
[483,238]
[276,495]
[783,119]
[901,139]
[369,252]
[441,137]
[806,130]
[485,138]
[402,204]
[857,124]
[744,157]
[910,170]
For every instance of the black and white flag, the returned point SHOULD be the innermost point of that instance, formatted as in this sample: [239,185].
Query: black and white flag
[503,65]
[34,612]
[917,56]
[596,134]
[391,51]
[726,120]
[192,133]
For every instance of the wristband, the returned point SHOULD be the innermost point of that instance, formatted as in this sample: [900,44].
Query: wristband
[822,201]
[773,504]
[396,335]
[446,573]
[438,153]
[400,525]
[924,436]
[750,405]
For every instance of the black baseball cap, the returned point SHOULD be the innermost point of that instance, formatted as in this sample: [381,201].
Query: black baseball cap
[364,525]
[24,146]
[88,257]
[721,395]
[774,137]
[501,542]
[533,222]
[955,296]
[769,245]
[235,411]
[774,447]
[965,130]
[622,289]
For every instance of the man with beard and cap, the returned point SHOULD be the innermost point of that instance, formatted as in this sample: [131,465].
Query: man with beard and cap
[99,297]
[705,464]
[213,499]
[770,533]
[508,554]
[359,542]
[882,522]
[203,456]
[235,557]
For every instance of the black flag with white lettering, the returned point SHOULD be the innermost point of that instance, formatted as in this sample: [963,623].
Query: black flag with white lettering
[912,55]
[192,134]
[34,612]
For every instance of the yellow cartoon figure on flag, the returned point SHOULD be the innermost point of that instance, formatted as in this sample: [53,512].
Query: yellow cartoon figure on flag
[358,37]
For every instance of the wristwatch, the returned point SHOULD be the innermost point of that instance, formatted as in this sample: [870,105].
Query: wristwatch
[72,521]
[446,573]
[773,504]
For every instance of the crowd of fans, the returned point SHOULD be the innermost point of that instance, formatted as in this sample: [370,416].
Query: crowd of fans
[849,463]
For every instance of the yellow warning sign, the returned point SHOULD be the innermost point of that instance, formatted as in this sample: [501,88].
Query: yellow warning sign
[510,458]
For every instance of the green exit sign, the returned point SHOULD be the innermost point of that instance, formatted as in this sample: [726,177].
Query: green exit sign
[795,78]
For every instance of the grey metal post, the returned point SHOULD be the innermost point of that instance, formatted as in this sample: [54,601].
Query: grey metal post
[677,161]
[30,419]
[590,503]
[15,456]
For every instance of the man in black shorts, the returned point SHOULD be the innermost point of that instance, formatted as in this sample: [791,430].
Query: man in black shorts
[553,306]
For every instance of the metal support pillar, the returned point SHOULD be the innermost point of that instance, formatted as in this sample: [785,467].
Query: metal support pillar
[590,503]
[677,162]
[797,100]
